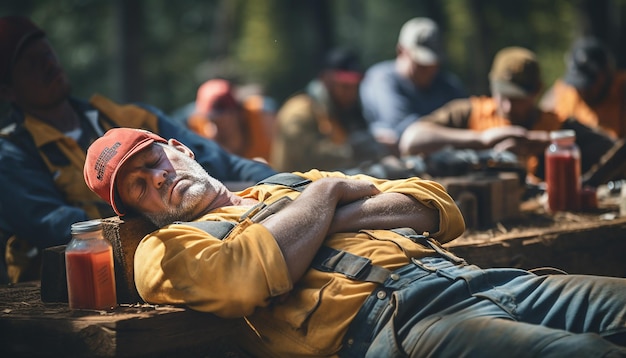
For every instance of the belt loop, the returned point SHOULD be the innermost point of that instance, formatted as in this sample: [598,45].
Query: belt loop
[419,263]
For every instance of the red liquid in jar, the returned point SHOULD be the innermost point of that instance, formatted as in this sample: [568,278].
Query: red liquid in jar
[563,182]
[90,279]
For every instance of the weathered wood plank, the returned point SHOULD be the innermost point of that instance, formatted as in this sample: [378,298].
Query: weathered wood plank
[31,328]
[594,247]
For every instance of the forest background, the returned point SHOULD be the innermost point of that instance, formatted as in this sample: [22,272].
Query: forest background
[160,51]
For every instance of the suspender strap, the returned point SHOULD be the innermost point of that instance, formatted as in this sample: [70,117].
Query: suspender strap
[291,180]
[428,242]
[352,266]
[219,229]
[327,259]
[268,210]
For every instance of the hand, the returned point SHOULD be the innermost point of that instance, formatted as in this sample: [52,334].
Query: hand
[534,143]
[492,136]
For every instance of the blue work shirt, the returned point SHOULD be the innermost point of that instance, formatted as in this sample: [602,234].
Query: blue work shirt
[391,101]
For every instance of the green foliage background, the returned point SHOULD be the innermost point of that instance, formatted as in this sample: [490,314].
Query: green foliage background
[174,46]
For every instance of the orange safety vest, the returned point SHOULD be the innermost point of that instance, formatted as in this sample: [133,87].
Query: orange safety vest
[484,116]
[609,115]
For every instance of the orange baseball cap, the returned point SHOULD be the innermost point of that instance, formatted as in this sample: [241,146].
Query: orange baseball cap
[215,95]
[107,154]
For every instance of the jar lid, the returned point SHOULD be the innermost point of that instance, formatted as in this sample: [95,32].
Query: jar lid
[562,134]
[86,226]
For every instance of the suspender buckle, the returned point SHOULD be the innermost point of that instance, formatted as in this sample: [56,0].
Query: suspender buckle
[352,266]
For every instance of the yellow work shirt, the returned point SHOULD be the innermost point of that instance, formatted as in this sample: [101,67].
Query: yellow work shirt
[245,274]
[68,176]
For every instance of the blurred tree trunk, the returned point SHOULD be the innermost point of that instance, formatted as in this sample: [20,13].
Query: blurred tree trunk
[595,18]
[602,18]
[434,10]
[222,34]
[480,61]
[320,13]
[129,50]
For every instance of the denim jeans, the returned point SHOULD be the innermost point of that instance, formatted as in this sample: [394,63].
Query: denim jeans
[434,308]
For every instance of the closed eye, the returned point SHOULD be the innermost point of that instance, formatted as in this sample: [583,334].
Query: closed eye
[155,161]
[139,188]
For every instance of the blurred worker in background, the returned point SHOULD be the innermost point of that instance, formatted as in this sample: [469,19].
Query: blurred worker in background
[509,120]
[396,93]
[322,126]
[243,127]
[592,90]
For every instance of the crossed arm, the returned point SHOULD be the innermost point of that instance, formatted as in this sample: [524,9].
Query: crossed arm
[332,205]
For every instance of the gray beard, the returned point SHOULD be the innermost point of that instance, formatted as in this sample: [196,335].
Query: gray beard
[186,211]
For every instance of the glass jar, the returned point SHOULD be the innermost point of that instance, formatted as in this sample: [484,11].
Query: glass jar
[563,177]
[89,268]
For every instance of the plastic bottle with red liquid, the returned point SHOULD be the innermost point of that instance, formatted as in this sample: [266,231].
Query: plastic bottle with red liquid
[89,268]
[563,173]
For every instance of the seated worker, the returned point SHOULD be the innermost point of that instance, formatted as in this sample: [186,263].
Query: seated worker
[592,91]
[508,120]
[42,149]
[396,93]
[336,265]
[322,126]
[244,128]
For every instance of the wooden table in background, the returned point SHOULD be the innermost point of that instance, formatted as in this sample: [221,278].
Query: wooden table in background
[592,244]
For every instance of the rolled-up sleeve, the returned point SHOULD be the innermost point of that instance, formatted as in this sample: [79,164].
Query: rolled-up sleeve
[432,195]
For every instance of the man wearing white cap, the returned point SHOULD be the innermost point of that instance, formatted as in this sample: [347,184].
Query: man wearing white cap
[397,92]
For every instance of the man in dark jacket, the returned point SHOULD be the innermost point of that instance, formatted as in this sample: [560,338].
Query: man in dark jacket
[44,141]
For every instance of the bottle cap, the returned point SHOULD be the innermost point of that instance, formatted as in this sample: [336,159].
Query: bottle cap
[86,226]
[562,134]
